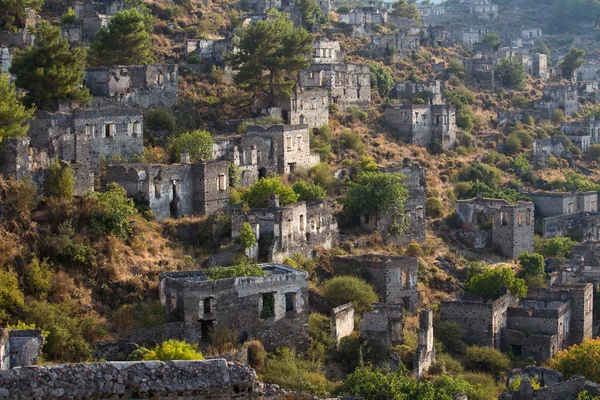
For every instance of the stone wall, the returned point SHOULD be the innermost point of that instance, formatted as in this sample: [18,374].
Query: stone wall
[342,321]
[383,325]
[550,204]
[553,385]
[425,353]
[581,225]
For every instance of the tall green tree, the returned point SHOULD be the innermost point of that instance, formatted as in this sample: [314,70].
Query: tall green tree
[511,72]
[405,10]
[378,193]
[124,41]
[13,13]
[381,79]
[50,70]
[493,39]
[199,144]
[311,12]
[13,115]
[271,53]
[572,61]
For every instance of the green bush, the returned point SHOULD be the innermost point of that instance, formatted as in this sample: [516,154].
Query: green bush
[594,152]
[558,247]
[174,350]
[110,211]
[214,273]
[486,359]
[11,296]
[319,333]
[558,116]
[285,369]
[135,316]
[246,236]
[194,59]
[533,264]
[308,191]
[345,289]
[352,140]
[160,119]
[38,277]
[489,283]
[433,207]
[450,334]
[480,172]
[354,351]
[198,143]
[60,182]
[69,17]
[258,195]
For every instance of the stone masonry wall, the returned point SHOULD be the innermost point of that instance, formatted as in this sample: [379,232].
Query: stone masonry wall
[342,321]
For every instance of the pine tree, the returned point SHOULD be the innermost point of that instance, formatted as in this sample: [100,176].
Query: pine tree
[12,113]
[13,13]
[124,41]
[50,70]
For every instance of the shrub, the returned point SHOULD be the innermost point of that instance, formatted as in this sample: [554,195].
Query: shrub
[345,289]
[223,340]
[352,140]
[111,211]
[69,17]
[194,59]
[135,316]
[258,195]
[489,282]
[486,359]
[558,116]
[11,296]
[414,250]
[533,264]
[246,236]
[448,364]
[561,247]
[213,273]
[308,192]
[60,181]
[513,144]
[160,119]
[451,335]
[580,360]
[354,351]
[38,276]
[174,350]
[480,172]
[256,354]
[199,144]
[321,174]
[433,207]
[290,372]
[319,333]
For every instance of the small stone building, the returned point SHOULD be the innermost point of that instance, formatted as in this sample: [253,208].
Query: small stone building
[587,127]
[414,208]
[561,96]
[175,190]
[487,222]
[549,320]
[586,262]
[423,124]
[481,70]
[425,353]
[144,86]
[401,43]
[394,278]
[384,325]
[481,320]
[20,348]
[409,90]
[299,228]
[272,308]
[211,51]
[304,106]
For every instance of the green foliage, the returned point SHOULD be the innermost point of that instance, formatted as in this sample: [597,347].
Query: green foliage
[38,277]
[11,296]
[542,48]
[354,351]
[533,264]
[308,191]
[319,333]
[135,316]
[434,207]
[199,144]
[571,61]
[594,152]
[174,350]
[456,68]
[160,119]
[310,11]
[560,247]
[489,282]
[468,190]
[477,171]
[256,355]
[352,140]
[558,116]
[511,72]
[124,41]
[378,193]
[381,79]
[13,13]
[271,51]
[69,17]
[345,289]
[257,196]
[366,164]
[451,335]
[50,70]
[579,360]
[405,10]
[575,182]
[240,270]
[246,236]
[285,369]
[111,211]
[60,182]
[486,359]
[493,39]
[13,115]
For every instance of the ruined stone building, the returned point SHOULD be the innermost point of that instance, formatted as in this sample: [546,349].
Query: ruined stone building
[394,278]
[342,322]
[81,138]
[481,70]
[562,96]
[301,228]
[410,90]
[431,13]
[425,353]
[567,214]
[272,308]
[400,43]
[20,348]
[544,148]
[586,127]
[304,106]
[436,35]
[348,84]
[531,36]
[586,263]
[211,51]
[487,222]
[549,320]
[423,124]
[144,86]
[414,209]
[484,9]
[481,320]
[6,57]
[384,325]
[176,190]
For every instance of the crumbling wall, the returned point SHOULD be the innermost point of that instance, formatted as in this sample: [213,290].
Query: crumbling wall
[384,324]
[425,353]
[342,321]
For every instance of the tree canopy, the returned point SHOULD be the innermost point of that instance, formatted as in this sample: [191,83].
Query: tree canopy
[13,115]
[493,39]
[257,196]
[13,13]
[488,282]
[511,72]
[198,143]
[403,9]
[579,360]
[381,79]
[572,61]
[311,12]
[377,193]
[124,41]
[345,289]
[50,70]
[271,53]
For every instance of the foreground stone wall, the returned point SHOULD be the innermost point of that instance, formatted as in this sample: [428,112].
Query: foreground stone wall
[195,380]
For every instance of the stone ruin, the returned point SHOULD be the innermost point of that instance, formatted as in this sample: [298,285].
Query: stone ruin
[342,321]
[19,348]
[425,353]
[384,325]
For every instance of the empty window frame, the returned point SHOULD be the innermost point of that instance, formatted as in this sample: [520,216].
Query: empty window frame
[299,142]
[268,305]
[221,182]
[109,130]
[136,128]
[290,302]
[288,142]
